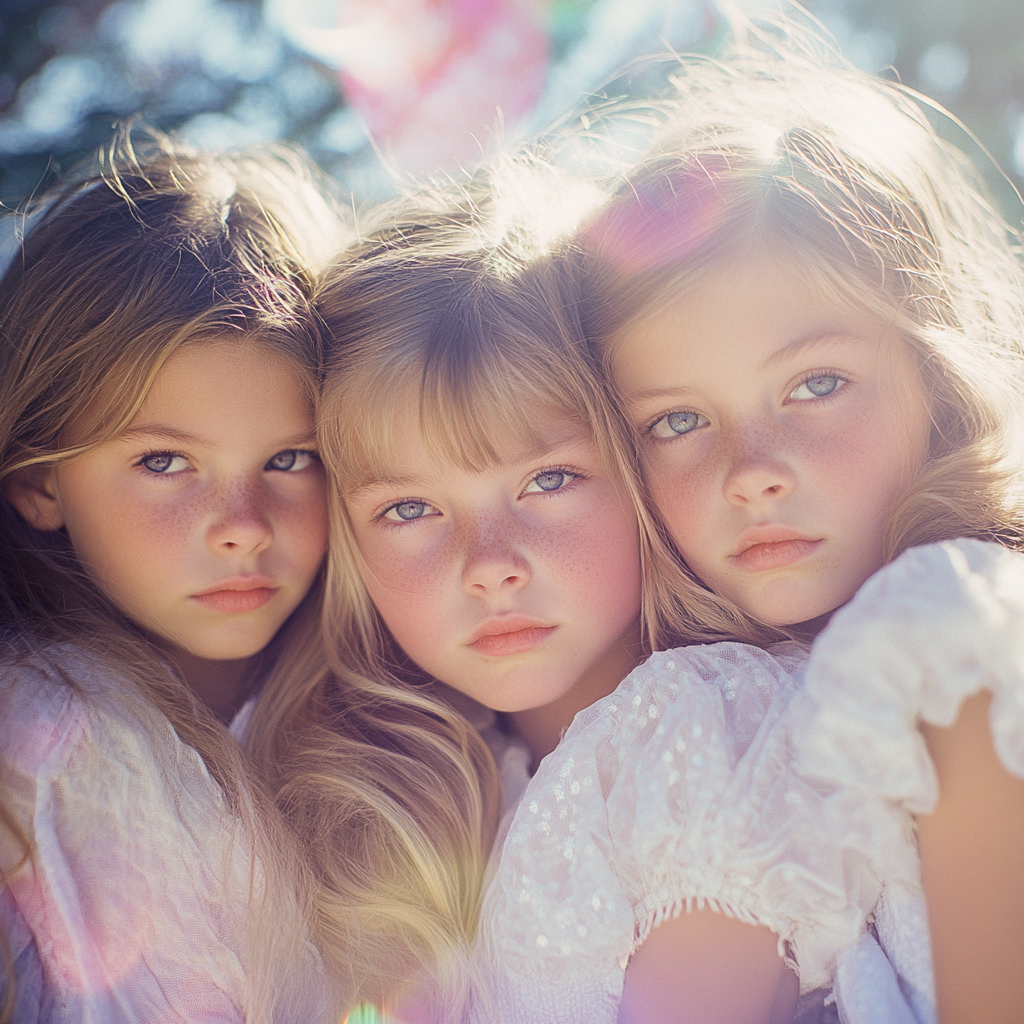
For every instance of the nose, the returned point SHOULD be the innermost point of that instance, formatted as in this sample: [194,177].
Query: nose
[757,475]
[240,524]
[493,562]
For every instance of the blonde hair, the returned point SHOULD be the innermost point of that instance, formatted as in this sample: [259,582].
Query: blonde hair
[117,271]
[794,152]
[456,319]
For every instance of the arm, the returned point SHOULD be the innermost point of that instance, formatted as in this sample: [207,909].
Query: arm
[705,968]
[972,855]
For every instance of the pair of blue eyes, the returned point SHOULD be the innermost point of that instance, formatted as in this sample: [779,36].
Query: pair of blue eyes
[552,480]
[678,423]
[291,459]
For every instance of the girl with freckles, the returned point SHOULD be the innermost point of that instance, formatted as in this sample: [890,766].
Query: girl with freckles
[201,818]
[812,318]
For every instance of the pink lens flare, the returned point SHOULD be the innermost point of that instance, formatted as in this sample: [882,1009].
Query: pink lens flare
[431,76]
[664,219]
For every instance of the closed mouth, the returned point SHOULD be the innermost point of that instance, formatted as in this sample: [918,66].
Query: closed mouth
[772,546]
[237,594]
[513,634]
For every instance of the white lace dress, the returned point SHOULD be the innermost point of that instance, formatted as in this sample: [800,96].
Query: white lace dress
[937,625]
[711,776]
[673,792]
[135,905]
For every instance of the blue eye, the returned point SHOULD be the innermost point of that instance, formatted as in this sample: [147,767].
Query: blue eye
[405,511]
[164,463]
[676,424]
[291,460]
[820,386]
[550,480]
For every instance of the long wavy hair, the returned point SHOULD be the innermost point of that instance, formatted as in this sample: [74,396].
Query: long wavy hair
[115,271]
[455,316]
[786,148]
[337,785]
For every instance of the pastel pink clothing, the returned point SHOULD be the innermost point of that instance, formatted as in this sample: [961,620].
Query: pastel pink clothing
[135,906]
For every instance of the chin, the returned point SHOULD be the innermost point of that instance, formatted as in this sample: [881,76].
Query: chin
[797,613]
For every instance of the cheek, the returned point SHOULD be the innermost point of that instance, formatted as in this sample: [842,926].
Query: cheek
[868,463]
[596,557]
[304,525]
[683,491]
[411,587]
[117,526]
[402,567]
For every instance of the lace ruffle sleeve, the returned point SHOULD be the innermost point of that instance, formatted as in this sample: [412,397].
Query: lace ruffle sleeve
[937,625]
[674,792]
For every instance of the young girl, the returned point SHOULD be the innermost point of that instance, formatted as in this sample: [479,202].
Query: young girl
[164,528]
[813,320]
[487,538]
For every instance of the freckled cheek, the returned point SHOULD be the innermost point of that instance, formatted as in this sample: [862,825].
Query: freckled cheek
[404,568]
[144,531]
[596,559]
[862,466]
[685,494]
[302,527]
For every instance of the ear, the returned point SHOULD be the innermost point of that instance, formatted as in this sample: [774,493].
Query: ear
[33,492]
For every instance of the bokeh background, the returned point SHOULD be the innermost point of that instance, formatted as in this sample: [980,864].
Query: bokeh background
[379,89]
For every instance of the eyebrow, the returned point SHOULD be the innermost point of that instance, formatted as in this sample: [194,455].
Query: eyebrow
[808,340]
[811,338]
[526,454]
[186,439]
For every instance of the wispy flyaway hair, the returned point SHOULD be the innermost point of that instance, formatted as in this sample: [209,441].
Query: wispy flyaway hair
[788,151]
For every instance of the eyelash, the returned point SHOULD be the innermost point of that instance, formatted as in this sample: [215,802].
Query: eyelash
[815,376]
[648,430]
[141,461]
[573,475]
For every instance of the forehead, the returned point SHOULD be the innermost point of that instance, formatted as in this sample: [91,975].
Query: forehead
[750,311]
[220,385]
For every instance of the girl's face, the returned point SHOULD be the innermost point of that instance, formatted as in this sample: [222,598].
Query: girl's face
[205,520]
[780,429]
[517,584]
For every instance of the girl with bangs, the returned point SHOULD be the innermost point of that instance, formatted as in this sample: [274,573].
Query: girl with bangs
[200,819]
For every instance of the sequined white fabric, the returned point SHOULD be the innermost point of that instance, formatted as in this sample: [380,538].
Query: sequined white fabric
[134,908]
[934,627]
[673,792]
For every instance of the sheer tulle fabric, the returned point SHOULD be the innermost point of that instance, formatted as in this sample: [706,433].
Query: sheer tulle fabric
[135,906]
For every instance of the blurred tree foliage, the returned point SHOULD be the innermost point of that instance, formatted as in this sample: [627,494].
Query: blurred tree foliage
[69,69]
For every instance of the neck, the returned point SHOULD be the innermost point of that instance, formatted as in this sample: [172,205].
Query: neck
[224,686]
[542,728]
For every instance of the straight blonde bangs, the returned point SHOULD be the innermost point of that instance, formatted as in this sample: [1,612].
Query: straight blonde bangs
[481,363]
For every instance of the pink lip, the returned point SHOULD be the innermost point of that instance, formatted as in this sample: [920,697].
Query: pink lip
[771,547]
[509,634]
[237,594]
